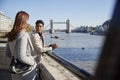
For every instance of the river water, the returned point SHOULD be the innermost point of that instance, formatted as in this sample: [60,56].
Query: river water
[81,49]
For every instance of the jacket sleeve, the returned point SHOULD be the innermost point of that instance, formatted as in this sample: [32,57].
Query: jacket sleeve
[8,52]
[22,49]
[37,43]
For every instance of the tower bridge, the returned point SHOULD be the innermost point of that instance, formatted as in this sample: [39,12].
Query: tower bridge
[68,30]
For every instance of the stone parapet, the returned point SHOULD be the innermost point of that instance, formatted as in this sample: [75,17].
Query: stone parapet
[55,70]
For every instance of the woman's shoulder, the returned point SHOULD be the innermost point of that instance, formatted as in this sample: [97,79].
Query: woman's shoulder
[22,35]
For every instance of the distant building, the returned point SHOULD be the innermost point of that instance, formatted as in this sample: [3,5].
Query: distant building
[81,29]
[5,22]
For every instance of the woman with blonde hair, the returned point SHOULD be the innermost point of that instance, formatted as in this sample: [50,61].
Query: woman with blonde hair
[19,45]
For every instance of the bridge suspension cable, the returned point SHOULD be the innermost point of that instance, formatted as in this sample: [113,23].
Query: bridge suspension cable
[72,26]
[46,26]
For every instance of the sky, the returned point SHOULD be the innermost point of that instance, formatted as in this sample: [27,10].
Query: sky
[79,12]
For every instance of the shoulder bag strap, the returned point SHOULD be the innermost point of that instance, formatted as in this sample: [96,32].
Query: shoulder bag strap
[31,46]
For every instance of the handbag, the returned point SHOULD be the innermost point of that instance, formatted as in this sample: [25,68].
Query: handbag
[17,67]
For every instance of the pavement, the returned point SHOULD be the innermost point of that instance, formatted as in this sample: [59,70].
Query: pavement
[5,75]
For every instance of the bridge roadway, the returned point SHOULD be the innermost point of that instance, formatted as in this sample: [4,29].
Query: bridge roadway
[50,68]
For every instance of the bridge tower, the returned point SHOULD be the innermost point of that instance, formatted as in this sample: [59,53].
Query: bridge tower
[68,26]
[51,26]
[68,30]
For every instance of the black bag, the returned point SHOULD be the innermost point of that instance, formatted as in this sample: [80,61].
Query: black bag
[17,67]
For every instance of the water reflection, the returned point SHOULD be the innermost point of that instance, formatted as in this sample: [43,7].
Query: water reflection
[82,49]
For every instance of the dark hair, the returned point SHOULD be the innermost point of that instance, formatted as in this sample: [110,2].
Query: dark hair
[39,21]
[20,21]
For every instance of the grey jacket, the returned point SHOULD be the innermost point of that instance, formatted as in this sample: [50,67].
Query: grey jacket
[21,48]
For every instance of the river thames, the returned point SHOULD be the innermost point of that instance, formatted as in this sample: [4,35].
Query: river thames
[81,49]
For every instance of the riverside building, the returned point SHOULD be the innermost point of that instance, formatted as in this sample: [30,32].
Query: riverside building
[5,23]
